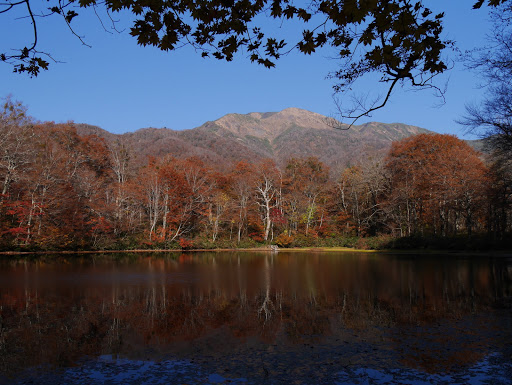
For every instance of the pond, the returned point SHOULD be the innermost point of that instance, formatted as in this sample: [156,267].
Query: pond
[251,318]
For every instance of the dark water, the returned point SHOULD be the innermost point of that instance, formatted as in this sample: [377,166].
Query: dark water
[248,318]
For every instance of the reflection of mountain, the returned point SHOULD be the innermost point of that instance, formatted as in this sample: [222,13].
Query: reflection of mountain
[434,315]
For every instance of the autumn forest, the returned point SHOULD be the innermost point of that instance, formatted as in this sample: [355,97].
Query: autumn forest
[62,190]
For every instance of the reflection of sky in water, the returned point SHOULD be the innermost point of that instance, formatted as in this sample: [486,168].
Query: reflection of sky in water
[488,371]
[107,370]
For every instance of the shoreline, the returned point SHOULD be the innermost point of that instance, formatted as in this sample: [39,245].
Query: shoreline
[490,253]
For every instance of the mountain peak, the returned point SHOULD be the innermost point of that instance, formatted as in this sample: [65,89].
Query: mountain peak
[271,124]
[296,111]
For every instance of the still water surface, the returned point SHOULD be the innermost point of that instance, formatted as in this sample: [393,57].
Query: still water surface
[251,318]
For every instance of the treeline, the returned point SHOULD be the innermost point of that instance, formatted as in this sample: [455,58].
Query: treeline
[60,190]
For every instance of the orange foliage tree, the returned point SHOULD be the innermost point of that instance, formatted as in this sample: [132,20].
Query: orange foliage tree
[437,185]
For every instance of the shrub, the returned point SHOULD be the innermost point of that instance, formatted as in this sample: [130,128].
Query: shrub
[284,240]
[186,244]
[256,237]
[247,244]
[302,240]
[374,243]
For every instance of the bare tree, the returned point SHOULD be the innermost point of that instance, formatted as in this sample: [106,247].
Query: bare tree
[492,118]
[266,193]
[16,132]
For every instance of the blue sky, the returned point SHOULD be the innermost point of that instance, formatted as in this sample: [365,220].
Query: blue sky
[122,87]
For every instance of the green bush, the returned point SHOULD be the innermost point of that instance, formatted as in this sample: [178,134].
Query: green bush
[128,242]
[337,240]
[302,240]
[374,243]
[248,244]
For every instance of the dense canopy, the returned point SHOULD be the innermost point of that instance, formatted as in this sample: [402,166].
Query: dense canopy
[63,190]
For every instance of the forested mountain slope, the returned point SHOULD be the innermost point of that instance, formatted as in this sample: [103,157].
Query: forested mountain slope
[279,135]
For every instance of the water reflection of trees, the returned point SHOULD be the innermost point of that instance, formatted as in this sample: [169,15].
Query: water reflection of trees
[430,313]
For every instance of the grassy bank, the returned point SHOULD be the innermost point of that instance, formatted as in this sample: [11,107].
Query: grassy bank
[301,243]
[298,242]
[313,250]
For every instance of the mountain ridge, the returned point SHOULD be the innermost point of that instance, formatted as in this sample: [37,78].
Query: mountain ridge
[281,135]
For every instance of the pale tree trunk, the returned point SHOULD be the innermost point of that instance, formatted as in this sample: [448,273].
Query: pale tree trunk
[164,215]
[153,206]
[120,157]
[242,214]
[266,195]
